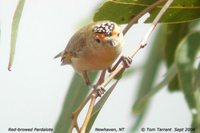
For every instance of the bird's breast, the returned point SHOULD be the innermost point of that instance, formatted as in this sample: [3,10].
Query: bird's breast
[96,59]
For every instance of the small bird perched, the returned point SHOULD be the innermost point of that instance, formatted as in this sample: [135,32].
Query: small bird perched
[94,47]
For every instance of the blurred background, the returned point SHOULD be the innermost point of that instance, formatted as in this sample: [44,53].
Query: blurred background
[32,94]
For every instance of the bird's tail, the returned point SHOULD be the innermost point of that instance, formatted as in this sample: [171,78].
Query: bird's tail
[58,55]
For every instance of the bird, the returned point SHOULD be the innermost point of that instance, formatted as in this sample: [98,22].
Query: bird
[94,47]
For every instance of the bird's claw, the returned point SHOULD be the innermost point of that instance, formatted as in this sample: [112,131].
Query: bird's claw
[100,90]
[127,61]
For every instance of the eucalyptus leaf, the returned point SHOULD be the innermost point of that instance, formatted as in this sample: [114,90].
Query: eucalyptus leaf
[196,116]
[140,103]
[179,31]
[184,58]
[195,25]
[197,79]
[122,11]
[119,74]
[15,27]
[98,106]
[131,71]
[76,93]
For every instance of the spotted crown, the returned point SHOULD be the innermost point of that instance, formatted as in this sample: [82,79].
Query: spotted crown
[104,28]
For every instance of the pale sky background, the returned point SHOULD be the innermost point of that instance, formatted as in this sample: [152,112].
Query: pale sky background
[33,93]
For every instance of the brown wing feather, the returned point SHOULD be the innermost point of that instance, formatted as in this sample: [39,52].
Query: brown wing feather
[74,47]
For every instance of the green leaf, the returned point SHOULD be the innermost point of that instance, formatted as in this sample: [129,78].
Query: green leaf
[196,116]
[76,93]
[180,31]
[99,105]
[119,75]
[131,71]
[141,103]
[149,74]
[197,79]
[122,11]
[194,25]
[15,26]
[184,58]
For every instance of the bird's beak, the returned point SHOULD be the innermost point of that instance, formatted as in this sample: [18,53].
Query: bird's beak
[113,43]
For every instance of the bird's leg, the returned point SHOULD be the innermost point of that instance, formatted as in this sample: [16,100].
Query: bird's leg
[86,78]
[100,89]
[126,62]
[101,78]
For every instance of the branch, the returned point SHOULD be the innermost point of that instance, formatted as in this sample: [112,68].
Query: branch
[76,113]
[87,118]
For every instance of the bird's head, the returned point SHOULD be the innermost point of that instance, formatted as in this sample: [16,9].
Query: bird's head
[108,34]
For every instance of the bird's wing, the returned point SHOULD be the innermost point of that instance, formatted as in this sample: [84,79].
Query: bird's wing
[74,47]
[77,42]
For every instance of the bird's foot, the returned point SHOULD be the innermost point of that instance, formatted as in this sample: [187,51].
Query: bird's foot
[100,90]
[127,61]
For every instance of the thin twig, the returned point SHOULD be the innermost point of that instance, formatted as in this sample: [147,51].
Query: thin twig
[148,9]
[90,109]
[141,45]
[155,22]
[76,113]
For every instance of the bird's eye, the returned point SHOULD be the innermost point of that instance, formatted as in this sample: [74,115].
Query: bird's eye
[118,34]
[97,40]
